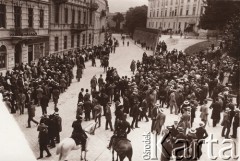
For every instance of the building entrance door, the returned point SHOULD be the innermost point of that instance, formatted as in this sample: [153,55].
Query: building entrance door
[18,54]
[30,54]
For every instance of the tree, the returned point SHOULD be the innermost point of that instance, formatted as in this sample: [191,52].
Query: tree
[136,17]
[118,18]
[232,36]
[217,14]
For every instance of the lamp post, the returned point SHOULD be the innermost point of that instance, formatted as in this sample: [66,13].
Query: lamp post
[157,39]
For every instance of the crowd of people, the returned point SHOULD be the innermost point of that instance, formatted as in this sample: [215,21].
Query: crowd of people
[170,80]
[167,80]
[28,86]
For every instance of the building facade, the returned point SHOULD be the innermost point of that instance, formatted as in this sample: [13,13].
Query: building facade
[100,22]
[23,31]
[71,25]
[177,15]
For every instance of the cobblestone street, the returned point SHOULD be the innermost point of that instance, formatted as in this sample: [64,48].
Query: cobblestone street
[97,144]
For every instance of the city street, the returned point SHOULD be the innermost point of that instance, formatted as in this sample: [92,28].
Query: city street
[97,145]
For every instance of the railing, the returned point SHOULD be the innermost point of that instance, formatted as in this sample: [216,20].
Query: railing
[22,32]
[60,1]
[79,27]
[94,6]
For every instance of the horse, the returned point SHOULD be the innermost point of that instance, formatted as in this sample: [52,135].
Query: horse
[68,144]
[123,148]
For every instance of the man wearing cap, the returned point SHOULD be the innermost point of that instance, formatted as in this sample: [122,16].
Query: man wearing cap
[80,95]
[58,124]
[201,134]
[123,128]
[43,140]
[226,124]
[135,114]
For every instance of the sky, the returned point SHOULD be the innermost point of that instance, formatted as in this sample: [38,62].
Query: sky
[124,5]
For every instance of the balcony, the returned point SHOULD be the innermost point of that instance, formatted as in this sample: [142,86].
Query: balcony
[93,6]
[103,14]
[60,1]
[77,28]
[22,32]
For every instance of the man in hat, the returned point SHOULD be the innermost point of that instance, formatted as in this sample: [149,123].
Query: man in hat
[167,147]
[31,114]
[172,102]
[236,123]
[201,134]
[204,112]
[108,116]
[160,120]
[78,134]
[44,103]
[135,114]
[226,123]
[80,95]
[174,129]
[179,144]
[216,112]
[43,140]
[58,124]
[154,114]
[123,128]
[98,113]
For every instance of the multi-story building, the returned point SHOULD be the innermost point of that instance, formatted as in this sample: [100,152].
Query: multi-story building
[71,25]
[177,15]
[23,31]
[100,23]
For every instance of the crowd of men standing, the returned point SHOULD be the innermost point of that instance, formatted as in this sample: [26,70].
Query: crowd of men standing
[29,86]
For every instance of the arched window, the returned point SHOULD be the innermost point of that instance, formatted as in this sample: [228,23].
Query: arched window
[3,54]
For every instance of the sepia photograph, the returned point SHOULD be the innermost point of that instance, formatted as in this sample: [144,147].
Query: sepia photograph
[120,80]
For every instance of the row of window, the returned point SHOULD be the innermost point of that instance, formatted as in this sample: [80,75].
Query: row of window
[73,12]
[165,2]
[65,41]
[174,12]
[3,53]
[17,15]
[164,25]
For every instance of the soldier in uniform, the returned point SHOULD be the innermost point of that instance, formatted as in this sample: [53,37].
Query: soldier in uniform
[123,128]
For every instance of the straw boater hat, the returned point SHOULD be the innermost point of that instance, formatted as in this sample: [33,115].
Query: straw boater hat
[237,110]
[80,103]
[227,109]
[186,103]
[201,124]
[192,131]
[161,110]
[157,104]
[79,117]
